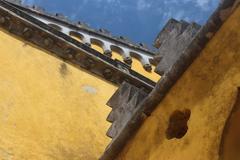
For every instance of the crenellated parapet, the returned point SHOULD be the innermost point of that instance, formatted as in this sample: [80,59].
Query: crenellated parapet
[103,38]
[124,103]
[171,41]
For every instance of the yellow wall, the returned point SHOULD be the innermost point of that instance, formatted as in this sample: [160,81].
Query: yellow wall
[49,110]
[208,88]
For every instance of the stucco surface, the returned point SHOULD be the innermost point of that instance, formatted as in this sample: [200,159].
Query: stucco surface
[208,88]
[49,110]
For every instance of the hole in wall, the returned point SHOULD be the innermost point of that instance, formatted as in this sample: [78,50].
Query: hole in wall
[178,124]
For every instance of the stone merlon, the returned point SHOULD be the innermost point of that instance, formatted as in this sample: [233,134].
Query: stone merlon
[171,41]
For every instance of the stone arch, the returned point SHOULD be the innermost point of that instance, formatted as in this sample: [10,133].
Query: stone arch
[117,52]
[143,60]
[136,56]
[97,44]
[76,35]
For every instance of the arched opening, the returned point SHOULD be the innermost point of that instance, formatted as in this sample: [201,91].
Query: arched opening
[117,53]
[97,45]
[137,66]
[230,143]
[77,36]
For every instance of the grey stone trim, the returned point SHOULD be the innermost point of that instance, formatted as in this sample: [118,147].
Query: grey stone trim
[107,45]
[123,103]
[19,2]
[122,45]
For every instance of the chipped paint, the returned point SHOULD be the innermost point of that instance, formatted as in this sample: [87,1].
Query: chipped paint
[89,89]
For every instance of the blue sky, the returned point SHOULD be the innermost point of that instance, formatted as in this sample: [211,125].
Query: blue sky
[139,20]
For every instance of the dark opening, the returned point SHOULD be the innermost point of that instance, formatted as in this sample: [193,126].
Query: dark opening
[178,127]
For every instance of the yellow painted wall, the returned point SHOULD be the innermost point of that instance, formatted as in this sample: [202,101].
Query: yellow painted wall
[208,88]
[97,47]
[49,110]
[138,67]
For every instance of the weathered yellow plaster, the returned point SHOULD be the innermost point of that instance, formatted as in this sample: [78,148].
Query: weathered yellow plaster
[208,88]
[49,110]
[137,66]
[116,55]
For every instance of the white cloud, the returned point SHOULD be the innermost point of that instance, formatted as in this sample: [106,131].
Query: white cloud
[202,4]
[105,1]
[178,15]
[28,2]
[142,5]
